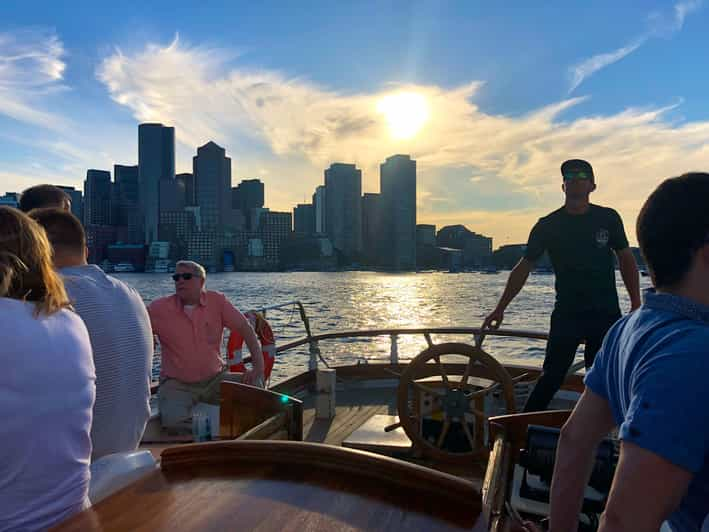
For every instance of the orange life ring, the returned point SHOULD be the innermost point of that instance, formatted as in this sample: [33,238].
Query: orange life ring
[268,345]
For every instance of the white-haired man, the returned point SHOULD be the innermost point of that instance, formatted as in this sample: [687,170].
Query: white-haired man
[190,325]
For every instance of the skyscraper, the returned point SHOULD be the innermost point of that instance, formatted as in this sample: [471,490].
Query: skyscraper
[246,196]
[77,201]
[343,211]
[188,180]
[304,219]
[212,182]
[398,191]
[126,194]
[97,204]
[319,209]
[371,228]
[156,161]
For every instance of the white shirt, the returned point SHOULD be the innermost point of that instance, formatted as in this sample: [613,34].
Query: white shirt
[122,343]
[47,390]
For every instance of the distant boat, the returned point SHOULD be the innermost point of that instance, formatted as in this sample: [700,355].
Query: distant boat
[644,273]
[124,267]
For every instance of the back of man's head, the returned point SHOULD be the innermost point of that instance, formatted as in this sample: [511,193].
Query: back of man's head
[673,225]
[41,196]
[64,230]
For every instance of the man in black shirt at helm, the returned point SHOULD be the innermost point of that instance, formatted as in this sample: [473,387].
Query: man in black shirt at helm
[580,239]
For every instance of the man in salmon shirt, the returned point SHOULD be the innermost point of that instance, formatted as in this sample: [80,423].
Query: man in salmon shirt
[190,325]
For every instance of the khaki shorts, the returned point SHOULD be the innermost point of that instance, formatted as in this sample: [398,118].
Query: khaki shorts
[176,399]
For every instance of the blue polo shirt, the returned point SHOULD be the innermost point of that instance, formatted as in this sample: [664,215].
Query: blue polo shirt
[653,369]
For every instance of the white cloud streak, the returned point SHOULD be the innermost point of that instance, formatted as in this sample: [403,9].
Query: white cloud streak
[593,64]
[31,67]
[660,25]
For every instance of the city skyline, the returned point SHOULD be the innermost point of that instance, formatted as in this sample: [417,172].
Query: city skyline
[447,84]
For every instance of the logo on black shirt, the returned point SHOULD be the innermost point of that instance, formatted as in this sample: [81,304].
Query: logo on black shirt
[602,236]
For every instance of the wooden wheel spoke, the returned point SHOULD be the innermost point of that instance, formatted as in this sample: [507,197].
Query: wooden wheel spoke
[466,374]
[479,414]
[427,389]
[482,393]
[444,375]
[444,433]
[468,435]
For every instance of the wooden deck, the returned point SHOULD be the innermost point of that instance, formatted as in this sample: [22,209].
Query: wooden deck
[354,408]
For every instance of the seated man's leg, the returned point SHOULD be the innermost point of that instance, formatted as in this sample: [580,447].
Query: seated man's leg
[561,348]
[210,392]
[175,400]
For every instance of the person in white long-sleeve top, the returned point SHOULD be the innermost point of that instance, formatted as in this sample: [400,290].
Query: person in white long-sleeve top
[47,385]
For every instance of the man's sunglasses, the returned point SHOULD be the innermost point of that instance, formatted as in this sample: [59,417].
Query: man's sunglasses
[570,176]
[185,276]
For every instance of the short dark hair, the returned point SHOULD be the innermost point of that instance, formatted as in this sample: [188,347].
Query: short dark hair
[672,225]
[63,229]
[41,196]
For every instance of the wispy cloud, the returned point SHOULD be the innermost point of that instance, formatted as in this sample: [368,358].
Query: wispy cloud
[31,67]
[683,9]
[660,24]
[593,64]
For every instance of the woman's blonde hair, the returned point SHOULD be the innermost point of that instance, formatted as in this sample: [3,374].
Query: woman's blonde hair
[26,271]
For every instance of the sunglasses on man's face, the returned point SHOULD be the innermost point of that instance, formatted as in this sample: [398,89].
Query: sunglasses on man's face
[185,276]
[576,176]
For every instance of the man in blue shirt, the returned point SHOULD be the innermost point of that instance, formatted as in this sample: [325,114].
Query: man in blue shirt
[650,380]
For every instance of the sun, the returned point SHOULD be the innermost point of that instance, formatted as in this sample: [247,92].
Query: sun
[405,112]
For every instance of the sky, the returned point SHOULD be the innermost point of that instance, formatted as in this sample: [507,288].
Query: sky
[488,97]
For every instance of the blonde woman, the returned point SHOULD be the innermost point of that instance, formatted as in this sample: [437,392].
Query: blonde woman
[47,385]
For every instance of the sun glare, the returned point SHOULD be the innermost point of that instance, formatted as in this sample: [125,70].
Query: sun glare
[405,113]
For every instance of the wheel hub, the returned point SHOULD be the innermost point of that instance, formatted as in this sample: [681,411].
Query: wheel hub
[455,403]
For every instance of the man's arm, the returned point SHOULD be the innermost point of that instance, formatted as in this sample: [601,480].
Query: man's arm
[515,282]
[590,421]
[646,490]
[236,321]
[631,277]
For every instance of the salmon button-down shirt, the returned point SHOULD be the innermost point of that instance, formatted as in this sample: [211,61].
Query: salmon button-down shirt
[190,343]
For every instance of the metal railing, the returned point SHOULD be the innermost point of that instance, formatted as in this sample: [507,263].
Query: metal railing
[477,335]
[312,340]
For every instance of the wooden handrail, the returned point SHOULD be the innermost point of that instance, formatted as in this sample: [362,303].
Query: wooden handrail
[293,456]
[263,431]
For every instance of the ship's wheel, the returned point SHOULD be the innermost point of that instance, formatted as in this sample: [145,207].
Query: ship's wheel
[444,400]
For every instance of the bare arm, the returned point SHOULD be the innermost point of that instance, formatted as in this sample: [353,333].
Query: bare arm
[646,490]
[515,282]
[631,277]
[236,321]
[590,421]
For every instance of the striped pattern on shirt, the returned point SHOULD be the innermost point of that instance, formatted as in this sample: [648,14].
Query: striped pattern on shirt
[122,343]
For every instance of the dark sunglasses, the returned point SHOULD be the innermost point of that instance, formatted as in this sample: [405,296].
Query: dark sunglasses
[569,176]
[185,276]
